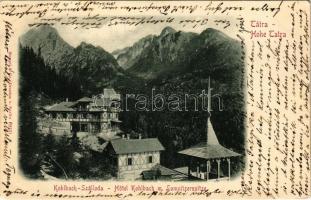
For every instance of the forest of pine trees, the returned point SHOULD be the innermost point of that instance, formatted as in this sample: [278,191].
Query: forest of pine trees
[38,76]
[40,85]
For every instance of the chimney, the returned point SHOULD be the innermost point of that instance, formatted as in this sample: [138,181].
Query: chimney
[123,136]
[139,136]
[128,136]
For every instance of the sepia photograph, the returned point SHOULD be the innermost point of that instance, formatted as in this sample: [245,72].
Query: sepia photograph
[168,107]
[169,100]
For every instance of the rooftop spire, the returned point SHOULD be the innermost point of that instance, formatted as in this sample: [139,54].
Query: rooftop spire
[211,135]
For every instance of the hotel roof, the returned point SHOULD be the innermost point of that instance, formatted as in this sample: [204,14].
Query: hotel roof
[69,106]
[62,106]
[125,146]
[85,99]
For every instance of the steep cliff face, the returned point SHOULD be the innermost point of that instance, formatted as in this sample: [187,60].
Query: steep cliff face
[177,51]
[153,54]
[92,61]
[130,55]
[46,41]
[90,66]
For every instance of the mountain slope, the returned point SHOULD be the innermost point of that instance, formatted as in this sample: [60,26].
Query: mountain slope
[217,55]
[180,52]
[89,66]
[46,41]
[153,54]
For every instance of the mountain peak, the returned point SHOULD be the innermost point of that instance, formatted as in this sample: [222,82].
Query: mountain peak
[46,39]
[211,32]
[90,47]
[167,30]
[46,28]
[84,44]
[34,35]
[48,31]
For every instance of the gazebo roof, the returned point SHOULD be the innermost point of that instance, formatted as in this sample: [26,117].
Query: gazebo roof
[208,151]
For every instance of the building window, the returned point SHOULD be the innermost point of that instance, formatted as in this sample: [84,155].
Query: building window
[129,161]
[150,159]
[74,115]
[63,115]
[84,128]
[96,127]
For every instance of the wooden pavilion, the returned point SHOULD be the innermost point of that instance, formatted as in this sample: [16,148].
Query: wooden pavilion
[203,156]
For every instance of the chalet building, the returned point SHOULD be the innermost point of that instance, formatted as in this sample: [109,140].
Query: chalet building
[91,115]
[133,156]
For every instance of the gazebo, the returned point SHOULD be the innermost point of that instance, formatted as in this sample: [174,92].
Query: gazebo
[202,156]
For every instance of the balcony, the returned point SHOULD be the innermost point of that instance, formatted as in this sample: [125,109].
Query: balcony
[81,120]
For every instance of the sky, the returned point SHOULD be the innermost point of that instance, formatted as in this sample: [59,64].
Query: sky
[114,38]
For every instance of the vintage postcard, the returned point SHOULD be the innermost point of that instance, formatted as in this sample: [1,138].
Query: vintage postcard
[155,99]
